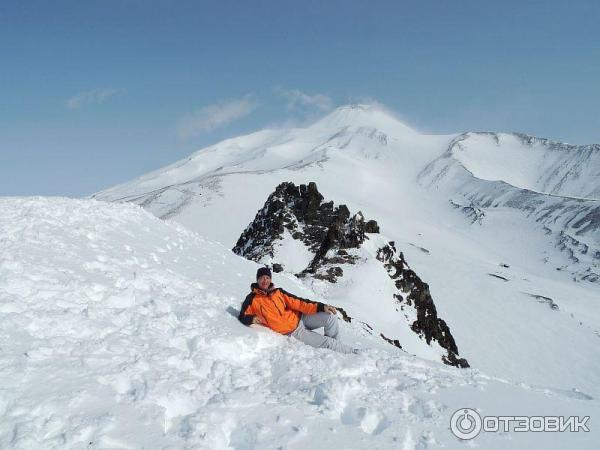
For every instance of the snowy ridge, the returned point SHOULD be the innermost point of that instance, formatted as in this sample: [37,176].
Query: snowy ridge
[531,163]
[117,332]
[548,181]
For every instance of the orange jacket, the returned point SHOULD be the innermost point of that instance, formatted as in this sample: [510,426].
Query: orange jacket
[277,309]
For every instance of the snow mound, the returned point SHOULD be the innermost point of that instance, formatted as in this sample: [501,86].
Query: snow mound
[118,332]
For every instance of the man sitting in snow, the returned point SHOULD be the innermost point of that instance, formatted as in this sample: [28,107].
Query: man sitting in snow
[290,315]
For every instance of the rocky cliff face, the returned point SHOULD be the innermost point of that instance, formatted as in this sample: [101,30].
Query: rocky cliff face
[330,237]
[413,292]
[326,231]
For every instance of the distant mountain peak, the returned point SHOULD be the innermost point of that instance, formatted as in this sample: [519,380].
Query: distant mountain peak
[364,115]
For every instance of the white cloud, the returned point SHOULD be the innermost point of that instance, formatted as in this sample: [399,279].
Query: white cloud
[297,98]
[213,116]
[95,96]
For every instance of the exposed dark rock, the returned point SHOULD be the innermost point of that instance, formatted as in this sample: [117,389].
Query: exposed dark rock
[326,230]
[345,315]
[427,325]
[368,327]
[371,227]
[331,274]
[394,342]
[424,250]
[576,250]
[452,360]
[544,299]
[472,211]
[498,276]
[591,276]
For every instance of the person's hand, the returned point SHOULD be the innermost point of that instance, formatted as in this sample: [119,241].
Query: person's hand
[329,309]
[256,321]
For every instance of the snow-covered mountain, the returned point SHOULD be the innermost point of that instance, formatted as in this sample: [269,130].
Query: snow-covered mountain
[507,287]
[557,185]
[118,331]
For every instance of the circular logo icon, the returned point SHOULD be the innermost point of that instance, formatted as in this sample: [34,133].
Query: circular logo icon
[465,423]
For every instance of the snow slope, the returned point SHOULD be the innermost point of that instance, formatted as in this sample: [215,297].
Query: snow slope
[555,185]
[117,332]
[535,164]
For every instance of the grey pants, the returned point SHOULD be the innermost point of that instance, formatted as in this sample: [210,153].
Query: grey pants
[310,322]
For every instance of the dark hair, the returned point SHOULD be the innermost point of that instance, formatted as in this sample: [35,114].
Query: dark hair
[263,271]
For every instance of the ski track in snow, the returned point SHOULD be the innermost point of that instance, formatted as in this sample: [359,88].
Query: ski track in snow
[116,334]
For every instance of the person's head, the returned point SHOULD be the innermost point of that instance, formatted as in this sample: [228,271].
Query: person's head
[263,278]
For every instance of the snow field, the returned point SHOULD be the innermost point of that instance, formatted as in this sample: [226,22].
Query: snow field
[117,332]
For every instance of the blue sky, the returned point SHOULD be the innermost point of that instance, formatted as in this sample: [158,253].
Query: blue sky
[94,93]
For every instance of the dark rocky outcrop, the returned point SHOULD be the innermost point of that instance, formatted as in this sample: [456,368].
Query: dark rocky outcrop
[394,342]
[500,277]
[326,230]
[414,292]
[472,211]
[345,315]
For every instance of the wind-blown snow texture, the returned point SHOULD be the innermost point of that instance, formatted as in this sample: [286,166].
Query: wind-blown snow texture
[117,332]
